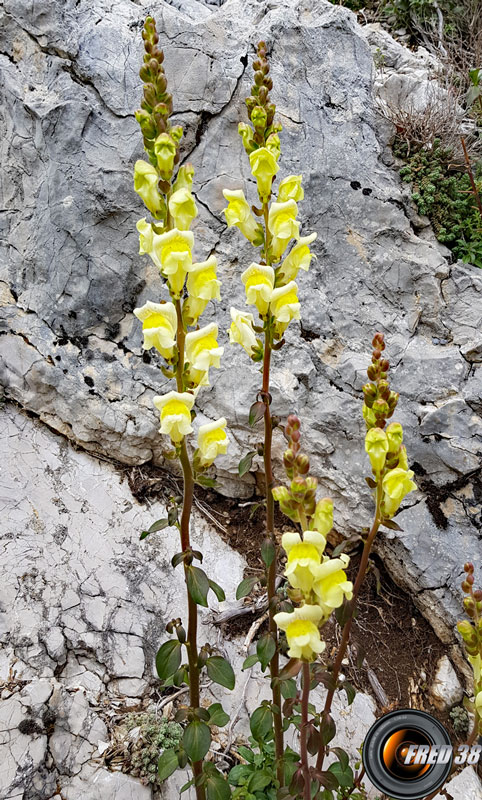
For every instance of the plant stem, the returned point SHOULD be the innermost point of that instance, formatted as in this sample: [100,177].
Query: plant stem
[470,173]
[304,730]
[271,582]
[347,628]
[188,491]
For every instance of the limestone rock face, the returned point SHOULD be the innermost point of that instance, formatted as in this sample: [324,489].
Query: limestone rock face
[71,348]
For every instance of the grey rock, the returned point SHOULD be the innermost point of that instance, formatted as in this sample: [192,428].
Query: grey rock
[71,349]
[466,784]
[106,785]
[446,690]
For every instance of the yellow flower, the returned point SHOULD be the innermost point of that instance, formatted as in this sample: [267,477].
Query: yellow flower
[146,235]
[301,628]
[402,458]
[165,151]
[283,226]
[258,282]
[395,436]
[323,520]
[273,144]
[241,330]
[376,445]
[369,416]
[247,135]
[202,352]
[202,281]
[304,556]
[478,703]
[239,213]
[397,483]
[212,440]
[331,584]
[171,252]
[184,177]
[175,408]
[159,323]
[145,184]
[298,258]
[264,168]
[182,208]
[290,189]
[285,306]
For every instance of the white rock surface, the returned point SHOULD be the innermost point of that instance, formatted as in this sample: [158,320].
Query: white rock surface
[446,690]
[465,786]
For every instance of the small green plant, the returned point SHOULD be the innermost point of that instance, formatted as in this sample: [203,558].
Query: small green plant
[460,720]
[256,778]
[474,94]
[445,196]
[155,735]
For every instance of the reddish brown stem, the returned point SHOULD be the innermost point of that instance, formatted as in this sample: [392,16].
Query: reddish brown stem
[347,628]
[304,732]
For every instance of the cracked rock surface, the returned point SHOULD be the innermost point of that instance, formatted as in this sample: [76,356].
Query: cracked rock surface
[70,349]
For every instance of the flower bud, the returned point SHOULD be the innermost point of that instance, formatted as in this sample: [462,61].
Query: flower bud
[258,118]
[370,393]
[378,341]
[478,595]
[384,389]
[372,372]
[468,567]
[293,422]
[376,355]
[281,494]
[384,365]
[302,464]
[469,606]
[298,488]
[181,634]
[380,408]
[289,458]
[465,629]
[311,485]
[395,437]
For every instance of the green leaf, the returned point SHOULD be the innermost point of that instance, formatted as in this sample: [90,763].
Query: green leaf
[196,740]
[350,692]
[217,715]
[328,730]
[246,586]
[245,464]
[168,659]
[217,589]
[288,689]
[246,753]
[197,585]
[207,483]
[265,649]
[240,772]
[256,412]
[178,558]
[167,764]
[217,787]
[343,776]
[268,551]
[389,523]
[172,515]
[343,613]
[187,786]
[261,723]
[259,780]
[220,671]
[342,756]
[328,780]
[250,661]
[156,526]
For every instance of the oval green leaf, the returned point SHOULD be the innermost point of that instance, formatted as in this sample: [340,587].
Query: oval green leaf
[168,659]
[220,671]
[197,585]
[261,722]
[196,740]
[167,764]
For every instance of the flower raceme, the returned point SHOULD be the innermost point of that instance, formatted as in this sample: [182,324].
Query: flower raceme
[239,213]
[202,352]
[302,634]
[146,178]
[212,441]
[175,408]
[242,332]
[159,323]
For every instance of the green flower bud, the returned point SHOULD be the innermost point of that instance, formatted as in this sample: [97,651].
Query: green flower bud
[298,488]
[302,463]
[395,437]
[465,629]
[380,408]
[281,494]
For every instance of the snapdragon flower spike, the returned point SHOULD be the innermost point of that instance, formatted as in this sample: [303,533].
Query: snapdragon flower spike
[471,633]
[379,401]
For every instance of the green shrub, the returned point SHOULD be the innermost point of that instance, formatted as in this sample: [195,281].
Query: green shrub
[444,196]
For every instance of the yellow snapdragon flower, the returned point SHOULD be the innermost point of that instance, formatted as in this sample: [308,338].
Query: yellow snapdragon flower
[173,252]
[304,556]
[285,306]
[258,282]
[298,258]
[202,281]
[283,226]
[376,445]
[331,585]
[239,213]
[165,152]
[241,330]
[273,144]
[290,188]
[184,178]
[369,416]
[212,441]
[397,483]
[175,408]
[302,634]
[395,436]
[202,351]
[146,237]
[323,518]
[264,168]
[146,178]
[182,208]
[159,323]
